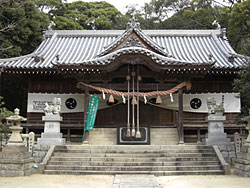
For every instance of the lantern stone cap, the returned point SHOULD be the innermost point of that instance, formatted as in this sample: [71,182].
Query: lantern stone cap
[16,116]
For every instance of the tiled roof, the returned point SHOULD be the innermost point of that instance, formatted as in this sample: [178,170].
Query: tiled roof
[171,47]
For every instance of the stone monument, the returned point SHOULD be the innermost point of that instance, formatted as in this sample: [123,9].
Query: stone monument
[215,119]
[52,119]
[242,162]
[15,160]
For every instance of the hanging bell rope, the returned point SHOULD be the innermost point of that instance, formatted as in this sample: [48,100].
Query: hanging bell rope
[133,103]
[128,123]
[138,133]
[140,94]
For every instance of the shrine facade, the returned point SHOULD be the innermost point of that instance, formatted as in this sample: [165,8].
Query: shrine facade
[146,80]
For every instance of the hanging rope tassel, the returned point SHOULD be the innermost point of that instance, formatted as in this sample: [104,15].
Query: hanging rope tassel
[103,95]
[158,100]
[145,99]
[111,99]
[134,101]
[123,99]
[171,97]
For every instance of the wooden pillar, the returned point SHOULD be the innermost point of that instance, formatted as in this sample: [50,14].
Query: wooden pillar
[68,135]
[180,117]
[198,135]
[86,103]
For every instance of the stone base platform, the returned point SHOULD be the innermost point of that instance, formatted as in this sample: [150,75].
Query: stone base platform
[242,163]
[16,161]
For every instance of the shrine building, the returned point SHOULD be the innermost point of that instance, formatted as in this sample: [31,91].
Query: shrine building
[153,84]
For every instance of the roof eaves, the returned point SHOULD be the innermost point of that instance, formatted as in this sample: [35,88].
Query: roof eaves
[159,59]
[229,55]
[34,54]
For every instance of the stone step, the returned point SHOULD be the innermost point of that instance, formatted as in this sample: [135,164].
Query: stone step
[129,159]
[162,135]
[133,168]
[134,155]
[103,163]
[157,173]
[134,147]
[167,143]
[134,151]
[122,159]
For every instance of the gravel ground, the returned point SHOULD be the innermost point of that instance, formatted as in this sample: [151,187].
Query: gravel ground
[101,181]
[210,181]
[57,181]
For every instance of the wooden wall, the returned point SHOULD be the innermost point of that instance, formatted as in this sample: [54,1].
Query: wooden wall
[53,84]
[149,115]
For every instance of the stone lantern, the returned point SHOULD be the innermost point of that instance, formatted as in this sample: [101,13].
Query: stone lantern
[15,160]
[15,120]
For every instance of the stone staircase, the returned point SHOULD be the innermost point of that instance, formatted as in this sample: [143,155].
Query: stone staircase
[127,159]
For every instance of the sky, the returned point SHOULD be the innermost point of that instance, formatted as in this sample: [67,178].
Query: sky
[120,4]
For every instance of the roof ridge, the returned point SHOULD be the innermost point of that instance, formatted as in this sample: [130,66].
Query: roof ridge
[134,26]
[119,32]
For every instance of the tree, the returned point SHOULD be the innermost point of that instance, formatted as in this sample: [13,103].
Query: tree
[4,127]
[84,15]
[24,24]
[242,84]
[239,27]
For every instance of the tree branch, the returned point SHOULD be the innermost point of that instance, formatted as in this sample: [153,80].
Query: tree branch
[3,49]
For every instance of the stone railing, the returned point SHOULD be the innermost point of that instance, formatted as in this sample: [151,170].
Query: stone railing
[29,140]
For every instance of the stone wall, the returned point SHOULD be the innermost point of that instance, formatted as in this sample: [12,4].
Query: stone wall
[228,152]
[103,136]
[39,152]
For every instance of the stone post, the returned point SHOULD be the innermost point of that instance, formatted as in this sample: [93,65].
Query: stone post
[216,135]
[52,119]
[215,119]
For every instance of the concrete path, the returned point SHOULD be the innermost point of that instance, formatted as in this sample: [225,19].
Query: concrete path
[135,181]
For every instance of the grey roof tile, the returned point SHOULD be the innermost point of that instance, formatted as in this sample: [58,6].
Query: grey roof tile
[90,47]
